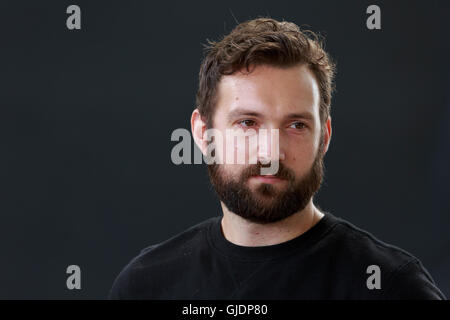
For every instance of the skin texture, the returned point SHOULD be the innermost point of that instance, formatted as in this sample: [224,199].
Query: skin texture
[265,98]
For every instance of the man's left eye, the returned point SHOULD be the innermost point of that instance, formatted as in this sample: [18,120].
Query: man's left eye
[298,125]
[247,123]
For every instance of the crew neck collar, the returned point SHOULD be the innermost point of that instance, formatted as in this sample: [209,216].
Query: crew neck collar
[301,242]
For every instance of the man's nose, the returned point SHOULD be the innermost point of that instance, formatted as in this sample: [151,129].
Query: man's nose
[269,147]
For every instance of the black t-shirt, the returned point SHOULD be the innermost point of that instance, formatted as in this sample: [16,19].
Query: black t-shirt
[332,260]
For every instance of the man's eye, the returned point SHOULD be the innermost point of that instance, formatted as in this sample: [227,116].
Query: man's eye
[298,125]
[247,123]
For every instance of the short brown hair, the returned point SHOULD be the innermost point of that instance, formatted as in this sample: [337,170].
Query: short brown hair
[263,41]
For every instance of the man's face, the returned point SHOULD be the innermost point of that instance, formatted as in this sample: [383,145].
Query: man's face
[270,98]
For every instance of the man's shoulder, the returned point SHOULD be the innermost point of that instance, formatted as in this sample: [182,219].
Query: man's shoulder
[175,247]
[169,254]
[403,274]
[362,244]
[193,238]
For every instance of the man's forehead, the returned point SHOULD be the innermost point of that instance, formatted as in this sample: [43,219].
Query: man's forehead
[270,91]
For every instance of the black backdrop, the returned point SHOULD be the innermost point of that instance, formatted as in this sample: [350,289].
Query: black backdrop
[86,117]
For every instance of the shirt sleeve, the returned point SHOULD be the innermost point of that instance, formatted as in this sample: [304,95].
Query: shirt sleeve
[413,282]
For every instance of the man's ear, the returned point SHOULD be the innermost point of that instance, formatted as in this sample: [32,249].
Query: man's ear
[327,136]
[198,128]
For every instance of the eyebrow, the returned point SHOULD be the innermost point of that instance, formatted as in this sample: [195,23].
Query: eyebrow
[247,112]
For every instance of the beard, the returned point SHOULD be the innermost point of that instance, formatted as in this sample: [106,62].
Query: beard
[267,203]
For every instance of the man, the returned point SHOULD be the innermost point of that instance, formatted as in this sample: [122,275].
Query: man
[272,241]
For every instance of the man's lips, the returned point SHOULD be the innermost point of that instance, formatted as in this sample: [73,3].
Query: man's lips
[267,178]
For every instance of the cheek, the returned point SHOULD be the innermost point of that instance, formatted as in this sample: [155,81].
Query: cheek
[300,158]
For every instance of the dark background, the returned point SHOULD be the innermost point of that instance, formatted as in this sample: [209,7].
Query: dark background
[86,117]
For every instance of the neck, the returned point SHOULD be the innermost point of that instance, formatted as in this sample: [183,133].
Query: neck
[250,234]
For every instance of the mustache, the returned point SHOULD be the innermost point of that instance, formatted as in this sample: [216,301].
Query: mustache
[255,170]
